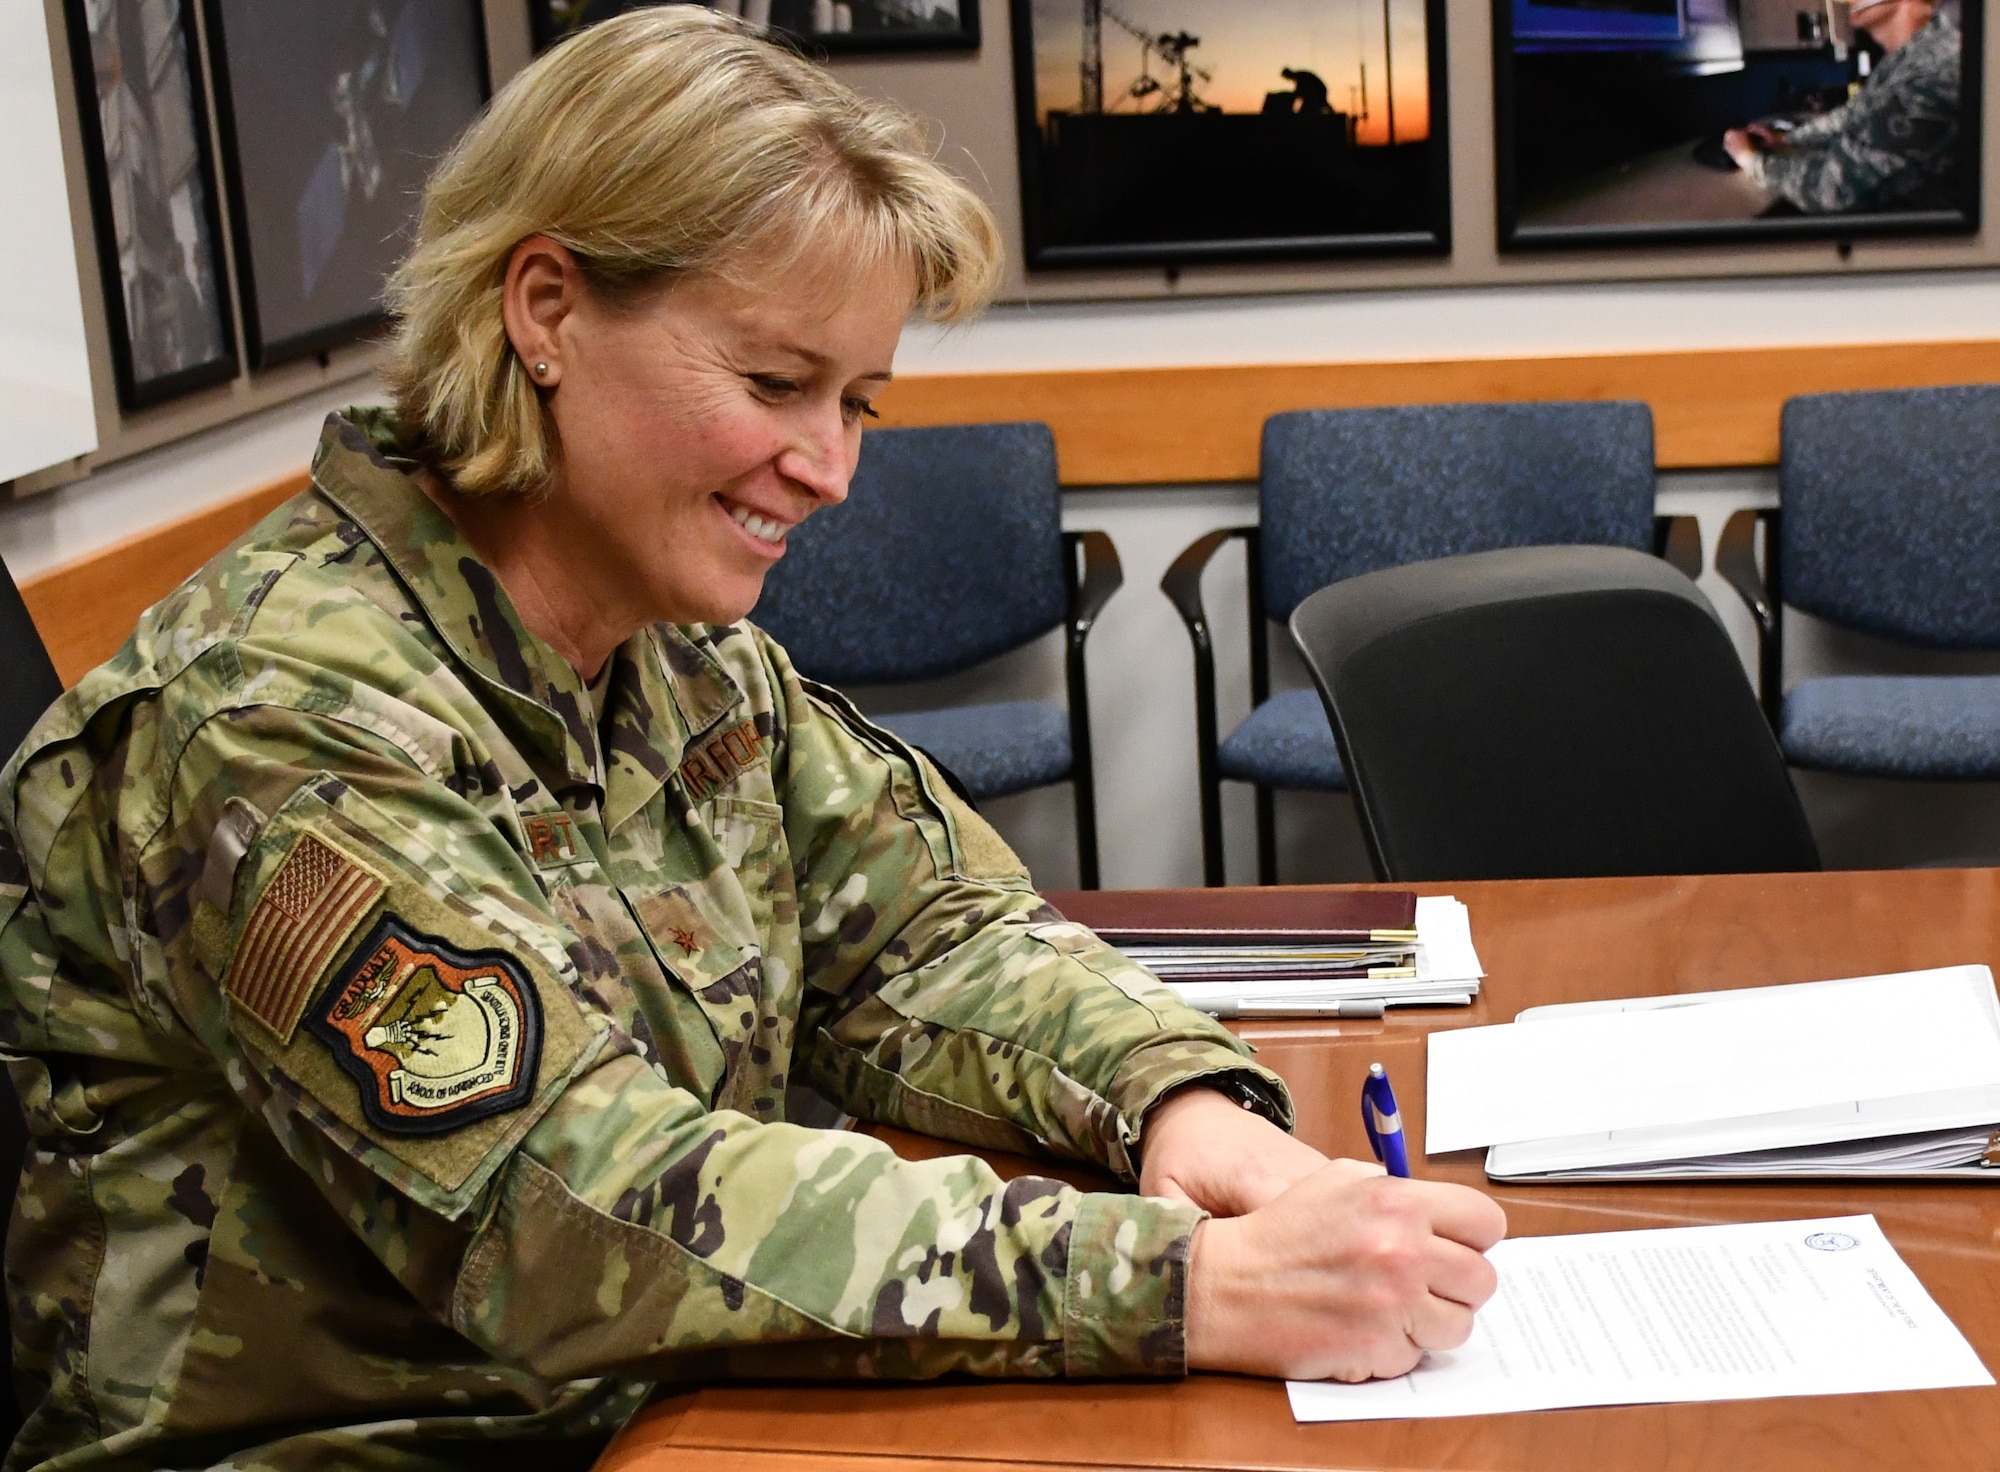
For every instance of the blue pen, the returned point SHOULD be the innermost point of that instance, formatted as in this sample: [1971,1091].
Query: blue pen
[1383,1123]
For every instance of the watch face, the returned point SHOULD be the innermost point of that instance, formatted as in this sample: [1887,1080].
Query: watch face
[1252,1098]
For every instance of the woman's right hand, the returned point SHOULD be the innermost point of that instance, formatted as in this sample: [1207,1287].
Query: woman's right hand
[1349,1275]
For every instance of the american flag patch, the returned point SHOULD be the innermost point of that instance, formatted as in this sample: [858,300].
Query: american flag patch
[311,906]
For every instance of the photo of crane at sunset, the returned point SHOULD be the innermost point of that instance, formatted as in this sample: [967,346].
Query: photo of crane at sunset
[1183,130]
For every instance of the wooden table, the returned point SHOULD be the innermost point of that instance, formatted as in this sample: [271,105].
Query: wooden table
[1541,941]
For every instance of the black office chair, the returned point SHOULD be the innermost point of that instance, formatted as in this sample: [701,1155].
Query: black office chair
[28,686]
[1347,491]
[1544,712]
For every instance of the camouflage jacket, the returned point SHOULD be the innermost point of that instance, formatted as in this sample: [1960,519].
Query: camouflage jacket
[1893,145]
[406,1070]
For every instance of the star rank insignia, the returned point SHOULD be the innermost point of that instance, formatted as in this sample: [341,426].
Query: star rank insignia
[685,940]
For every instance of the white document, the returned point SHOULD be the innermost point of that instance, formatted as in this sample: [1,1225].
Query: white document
[1759,1051]
[1679,1314]
[1444,941]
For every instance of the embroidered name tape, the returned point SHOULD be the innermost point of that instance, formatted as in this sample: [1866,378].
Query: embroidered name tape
[436,1037]
[719,760]
[552,840]
[306,912]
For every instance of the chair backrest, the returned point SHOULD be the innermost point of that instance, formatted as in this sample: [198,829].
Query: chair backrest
[947,551]
[1348,491]
[1548,712]
[28,686]
[1891,512]
[28,681]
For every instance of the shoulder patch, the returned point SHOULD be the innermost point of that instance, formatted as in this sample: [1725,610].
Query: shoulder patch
[306,912]
[436,1037]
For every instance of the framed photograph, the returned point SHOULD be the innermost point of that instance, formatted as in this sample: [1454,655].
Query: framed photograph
[831,26]
[1651,121]
[332,114]
[1177,131]
[152,189]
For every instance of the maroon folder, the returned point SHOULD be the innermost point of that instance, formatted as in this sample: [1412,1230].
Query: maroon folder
[1240,916]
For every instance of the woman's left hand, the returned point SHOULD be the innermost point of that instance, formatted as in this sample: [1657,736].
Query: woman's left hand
[1198,1145]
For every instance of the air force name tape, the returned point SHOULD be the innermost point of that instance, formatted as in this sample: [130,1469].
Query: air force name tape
[721,760]
[436,1037]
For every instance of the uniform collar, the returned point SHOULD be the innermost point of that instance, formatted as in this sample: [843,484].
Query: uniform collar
[668,686]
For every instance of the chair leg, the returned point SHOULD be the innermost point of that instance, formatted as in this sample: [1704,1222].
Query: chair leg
[1267,837]
[1086,826]
[1082,772]
[1212,873]
[1209,769]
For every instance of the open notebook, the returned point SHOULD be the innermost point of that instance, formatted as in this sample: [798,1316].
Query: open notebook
[1875,1076]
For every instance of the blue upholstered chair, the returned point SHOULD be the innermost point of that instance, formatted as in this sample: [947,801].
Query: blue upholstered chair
[950,551]
[1347,491]
[1889,523]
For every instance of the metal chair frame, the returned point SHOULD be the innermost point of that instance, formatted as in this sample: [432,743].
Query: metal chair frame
[1762,593]
[1089,590]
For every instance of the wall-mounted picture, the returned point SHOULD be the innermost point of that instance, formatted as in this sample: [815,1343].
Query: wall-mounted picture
[1685,120]
[333,113]
[832,26]
[1178,131]
[152,185]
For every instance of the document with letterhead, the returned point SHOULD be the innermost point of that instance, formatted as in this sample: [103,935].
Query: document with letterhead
[1739,1312]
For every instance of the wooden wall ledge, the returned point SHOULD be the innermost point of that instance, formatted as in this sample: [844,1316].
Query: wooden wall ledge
[1173,426]
[1159,426]
[86,608]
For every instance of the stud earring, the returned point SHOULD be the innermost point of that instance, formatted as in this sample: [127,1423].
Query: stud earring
[541,370]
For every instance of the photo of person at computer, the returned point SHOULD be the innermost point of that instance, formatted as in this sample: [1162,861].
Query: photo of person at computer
[1703,116]
[1893,143]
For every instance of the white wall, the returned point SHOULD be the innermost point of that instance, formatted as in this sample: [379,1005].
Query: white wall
[1380,326]
[46,414]
[1142,695]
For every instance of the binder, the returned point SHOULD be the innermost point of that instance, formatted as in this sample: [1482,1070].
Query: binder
[1291,953]
[1905,1129]
[1271,917]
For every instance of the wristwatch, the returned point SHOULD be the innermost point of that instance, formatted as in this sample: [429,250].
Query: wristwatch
[1249,1091]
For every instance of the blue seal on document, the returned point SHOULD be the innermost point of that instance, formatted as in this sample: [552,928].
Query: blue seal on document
[1832,1242]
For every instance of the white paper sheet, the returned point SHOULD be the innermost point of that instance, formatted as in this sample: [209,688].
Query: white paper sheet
[1759,1051]
[1444,940]
[1739,1312]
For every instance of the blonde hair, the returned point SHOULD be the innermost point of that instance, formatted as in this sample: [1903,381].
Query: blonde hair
[665,142]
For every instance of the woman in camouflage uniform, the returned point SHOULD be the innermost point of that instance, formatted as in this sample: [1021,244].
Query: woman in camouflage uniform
[412,934]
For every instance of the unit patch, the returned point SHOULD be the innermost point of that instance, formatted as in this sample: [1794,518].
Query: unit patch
[436,1037]
[719,760]
[311,906]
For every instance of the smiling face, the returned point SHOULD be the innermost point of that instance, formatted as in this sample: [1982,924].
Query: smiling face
[702,423]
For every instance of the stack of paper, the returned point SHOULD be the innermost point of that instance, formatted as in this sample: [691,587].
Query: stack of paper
[1438,968]
[1881,1075]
